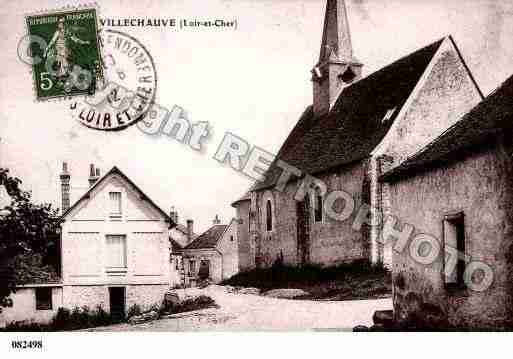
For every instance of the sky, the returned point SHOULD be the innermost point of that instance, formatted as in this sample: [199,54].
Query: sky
[253,81]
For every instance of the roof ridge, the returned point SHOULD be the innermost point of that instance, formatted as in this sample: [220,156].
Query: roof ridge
[204,236]
[115,169]
[395,62]
[458,123]
[473,117]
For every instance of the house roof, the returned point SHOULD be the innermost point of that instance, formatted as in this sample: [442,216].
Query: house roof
[483,122]
[354,126]
[208,239]
[175,246]
[184,230]
[115,170]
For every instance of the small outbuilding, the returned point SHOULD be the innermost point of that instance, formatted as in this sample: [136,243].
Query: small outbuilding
[212,255]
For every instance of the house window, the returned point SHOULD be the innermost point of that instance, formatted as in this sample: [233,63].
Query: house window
[115,203]
[43,298]
[177,264]
[116,251]
[231,238]
[454,243]
[318,205]
[192,267]
[268,216]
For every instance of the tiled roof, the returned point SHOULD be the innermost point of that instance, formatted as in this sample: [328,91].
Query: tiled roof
[355,126]
[175,246]
[481,124]
[184,230]
[208,239]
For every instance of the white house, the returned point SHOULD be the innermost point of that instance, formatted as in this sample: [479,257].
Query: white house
[115,247]
[115,252]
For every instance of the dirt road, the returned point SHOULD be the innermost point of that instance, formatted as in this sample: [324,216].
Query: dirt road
[251,312]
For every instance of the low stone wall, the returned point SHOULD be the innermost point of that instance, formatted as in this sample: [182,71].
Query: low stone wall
[145,295]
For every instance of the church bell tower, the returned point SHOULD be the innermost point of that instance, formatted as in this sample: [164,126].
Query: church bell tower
[337,67]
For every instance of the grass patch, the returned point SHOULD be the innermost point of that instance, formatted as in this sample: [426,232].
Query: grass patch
[358,280]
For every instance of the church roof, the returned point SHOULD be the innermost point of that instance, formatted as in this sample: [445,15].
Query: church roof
[354,126]
[479,125]
[245,197]
[208,239]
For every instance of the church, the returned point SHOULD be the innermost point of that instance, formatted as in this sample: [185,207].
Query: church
[357,128]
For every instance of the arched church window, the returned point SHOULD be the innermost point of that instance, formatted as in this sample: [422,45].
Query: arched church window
[318,205]
[269,216]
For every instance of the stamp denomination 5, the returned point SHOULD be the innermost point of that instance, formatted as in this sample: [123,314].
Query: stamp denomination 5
[64,52]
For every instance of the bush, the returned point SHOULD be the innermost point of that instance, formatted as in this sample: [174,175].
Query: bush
[61,319]
[64,319]
[80,318]
[285,276]
[101,317]
[134,310]
[196,303]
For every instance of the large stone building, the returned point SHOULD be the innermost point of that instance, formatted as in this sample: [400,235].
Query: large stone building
[115,252]
[356,128]
[458,190]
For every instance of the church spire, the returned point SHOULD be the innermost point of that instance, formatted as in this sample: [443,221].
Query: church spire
[336,38]
[337,67]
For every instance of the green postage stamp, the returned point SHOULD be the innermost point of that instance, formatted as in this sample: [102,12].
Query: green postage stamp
[65,51]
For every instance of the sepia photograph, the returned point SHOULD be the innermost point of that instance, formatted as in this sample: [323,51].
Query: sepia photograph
[279,167]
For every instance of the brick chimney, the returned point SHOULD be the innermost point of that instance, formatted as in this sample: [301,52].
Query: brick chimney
[94,174]
[216,220]
[190,229]
[173,214]
[65,180]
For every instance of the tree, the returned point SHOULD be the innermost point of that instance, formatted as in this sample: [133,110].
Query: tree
[25,228]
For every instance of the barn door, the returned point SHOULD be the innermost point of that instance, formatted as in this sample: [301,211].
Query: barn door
[303,230]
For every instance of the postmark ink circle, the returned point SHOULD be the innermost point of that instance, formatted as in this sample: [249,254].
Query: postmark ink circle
[129,87]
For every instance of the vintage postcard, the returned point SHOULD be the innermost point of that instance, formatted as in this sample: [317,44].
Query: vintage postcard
[291,165]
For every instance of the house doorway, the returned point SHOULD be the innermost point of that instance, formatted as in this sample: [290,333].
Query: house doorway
[204,269]
[303,230]
[117,302]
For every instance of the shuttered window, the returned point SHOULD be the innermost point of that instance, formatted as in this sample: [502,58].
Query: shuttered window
[116,251]
[115,203]
[454,242]
[43,298]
